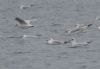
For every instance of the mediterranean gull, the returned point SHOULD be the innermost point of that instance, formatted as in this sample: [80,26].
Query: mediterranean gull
[79,28]
[24,6]
[74,43]
[52,41]
[23,23]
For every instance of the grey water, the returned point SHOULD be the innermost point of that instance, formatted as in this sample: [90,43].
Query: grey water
[53,19]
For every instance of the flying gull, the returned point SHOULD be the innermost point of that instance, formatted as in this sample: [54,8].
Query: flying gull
[23,23]
[79,28]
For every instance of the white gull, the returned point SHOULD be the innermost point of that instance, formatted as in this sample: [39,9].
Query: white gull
[23,36]
[75,43]
[52,41]
[24,6]
[79,28]
[23,23]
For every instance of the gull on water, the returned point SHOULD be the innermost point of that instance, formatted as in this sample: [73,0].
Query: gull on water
[69,31]
[23,36]
[79,28]
[83,27]
[29,36]
[23,23]
[52,41]
[75,43]
[24,6]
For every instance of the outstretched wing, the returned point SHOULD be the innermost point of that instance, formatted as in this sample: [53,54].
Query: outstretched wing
[21,21]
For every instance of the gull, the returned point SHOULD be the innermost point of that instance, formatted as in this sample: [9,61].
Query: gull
[23,23]
[29,36]
[23,36]
[79,28]
[52,41]
[24,6]
[75,44]
[83,27]
[69,31]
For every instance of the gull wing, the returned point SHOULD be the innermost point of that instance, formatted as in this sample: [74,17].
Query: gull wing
[21,21]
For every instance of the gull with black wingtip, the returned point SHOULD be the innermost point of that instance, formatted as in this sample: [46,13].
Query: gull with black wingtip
[23,23]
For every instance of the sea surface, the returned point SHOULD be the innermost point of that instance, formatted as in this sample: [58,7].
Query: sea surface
[53,18]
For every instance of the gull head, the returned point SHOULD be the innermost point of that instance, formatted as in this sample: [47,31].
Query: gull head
[50,41]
